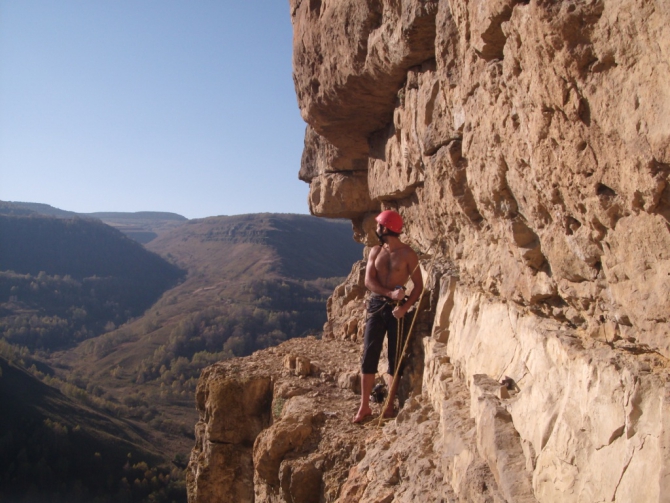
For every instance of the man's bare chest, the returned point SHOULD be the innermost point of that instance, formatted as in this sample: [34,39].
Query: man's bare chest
[390,263]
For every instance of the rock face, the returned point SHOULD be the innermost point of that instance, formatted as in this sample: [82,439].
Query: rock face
[527,147]
[524,141]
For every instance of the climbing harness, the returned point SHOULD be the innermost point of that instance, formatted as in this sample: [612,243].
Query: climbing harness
[381,308]
[386,302]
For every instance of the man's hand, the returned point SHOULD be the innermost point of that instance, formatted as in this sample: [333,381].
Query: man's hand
[397,294]
[400,311]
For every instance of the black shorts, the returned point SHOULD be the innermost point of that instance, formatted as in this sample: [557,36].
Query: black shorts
[380,322]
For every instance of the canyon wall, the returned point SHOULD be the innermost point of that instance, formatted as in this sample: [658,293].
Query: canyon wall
[524,143]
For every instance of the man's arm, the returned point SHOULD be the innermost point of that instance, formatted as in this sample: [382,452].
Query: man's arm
[372,282]
[417,280]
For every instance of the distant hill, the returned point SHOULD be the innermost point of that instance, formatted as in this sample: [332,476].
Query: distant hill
[293,246]
[65,280]
[38,208]
[17,209]
[142,226]
[137,216]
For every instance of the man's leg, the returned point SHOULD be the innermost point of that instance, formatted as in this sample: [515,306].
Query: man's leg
[373,340]
[367,381]
[394,354]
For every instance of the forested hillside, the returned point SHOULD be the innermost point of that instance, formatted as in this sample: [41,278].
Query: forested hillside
[66,280]
[56,450]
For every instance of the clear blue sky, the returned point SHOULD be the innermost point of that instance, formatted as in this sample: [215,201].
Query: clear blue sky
[163,105]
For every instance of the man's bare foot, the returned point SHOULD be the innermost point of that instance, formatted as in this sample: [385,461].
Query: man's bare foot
[362,414]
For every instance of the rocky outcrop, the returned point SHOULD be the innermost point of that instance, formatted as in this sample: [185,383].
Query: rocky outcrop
[234,408]
[526,147]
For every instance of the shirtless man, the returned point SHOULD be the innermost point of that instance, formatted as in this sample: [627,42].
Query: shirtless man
[389,267]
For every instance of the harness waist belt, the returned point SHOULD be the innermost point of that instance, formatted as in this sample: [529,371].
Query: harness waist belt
[381,297]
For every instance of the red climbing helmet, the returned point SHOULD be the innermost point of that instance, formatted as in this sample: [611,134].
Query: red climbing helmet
[391,220]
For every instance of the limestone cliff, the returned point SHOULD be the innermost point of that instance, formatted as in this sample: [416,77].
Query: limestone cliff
[527,146]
